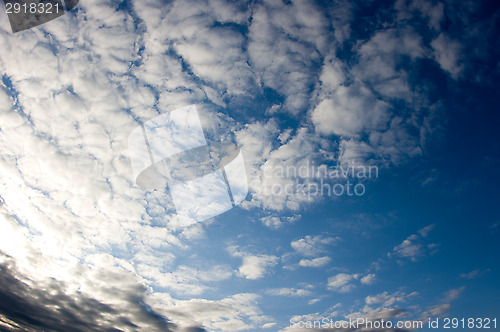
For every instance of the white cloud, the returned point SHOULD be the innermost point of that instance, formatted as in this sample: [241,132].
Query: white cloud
[447,53]
[259,145]
[387,299]
[439,310]
[342,282]
[333,74]
[294,35]
[268,325]
[66,173]
[316,262]
[313,301]
[444,307]
[356,102]
[473,274]
[409,248]
[386,306]
[381,59]
[274,222]
[368,279]
[186,280]
[424,232]
[312,245]
[453,294]
[433,12]
[414,247]
[350,111]
[254,266]
[5,100]
[217,56]
[234,313]
[80,84]
[355,152]
[289,292]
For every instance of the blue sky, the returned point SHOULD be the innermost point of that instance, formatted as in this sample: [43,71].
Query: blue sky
[405,87]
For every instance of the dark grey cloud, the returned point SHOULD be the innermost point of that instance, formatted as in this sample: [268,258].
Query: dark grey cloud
[45,306]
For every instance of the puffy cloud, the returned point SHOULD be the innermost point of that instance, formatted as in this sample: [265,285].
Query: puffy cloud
[74,88]
[447,53]
[294,35]
[312,245]
[358,103]
[86,81]
[270,188]
[397,305]
[351,111]
[409,248]
[368,279]
[216,55]
[254,266]
[344,282]
[315,262]
[274,222]
[5,100]
[186,280]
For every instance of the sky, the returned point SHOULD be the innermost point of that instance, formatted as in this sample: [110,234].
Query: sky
[371,155]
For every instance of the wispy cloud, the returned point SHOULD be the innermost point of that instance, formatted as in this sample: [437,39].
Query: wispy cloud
[289,292]
[473,274]
[315,262]
[414,246]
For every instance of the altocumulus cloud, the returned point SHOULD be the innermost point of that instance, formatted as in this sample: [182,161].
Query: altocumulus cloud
[85,248]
